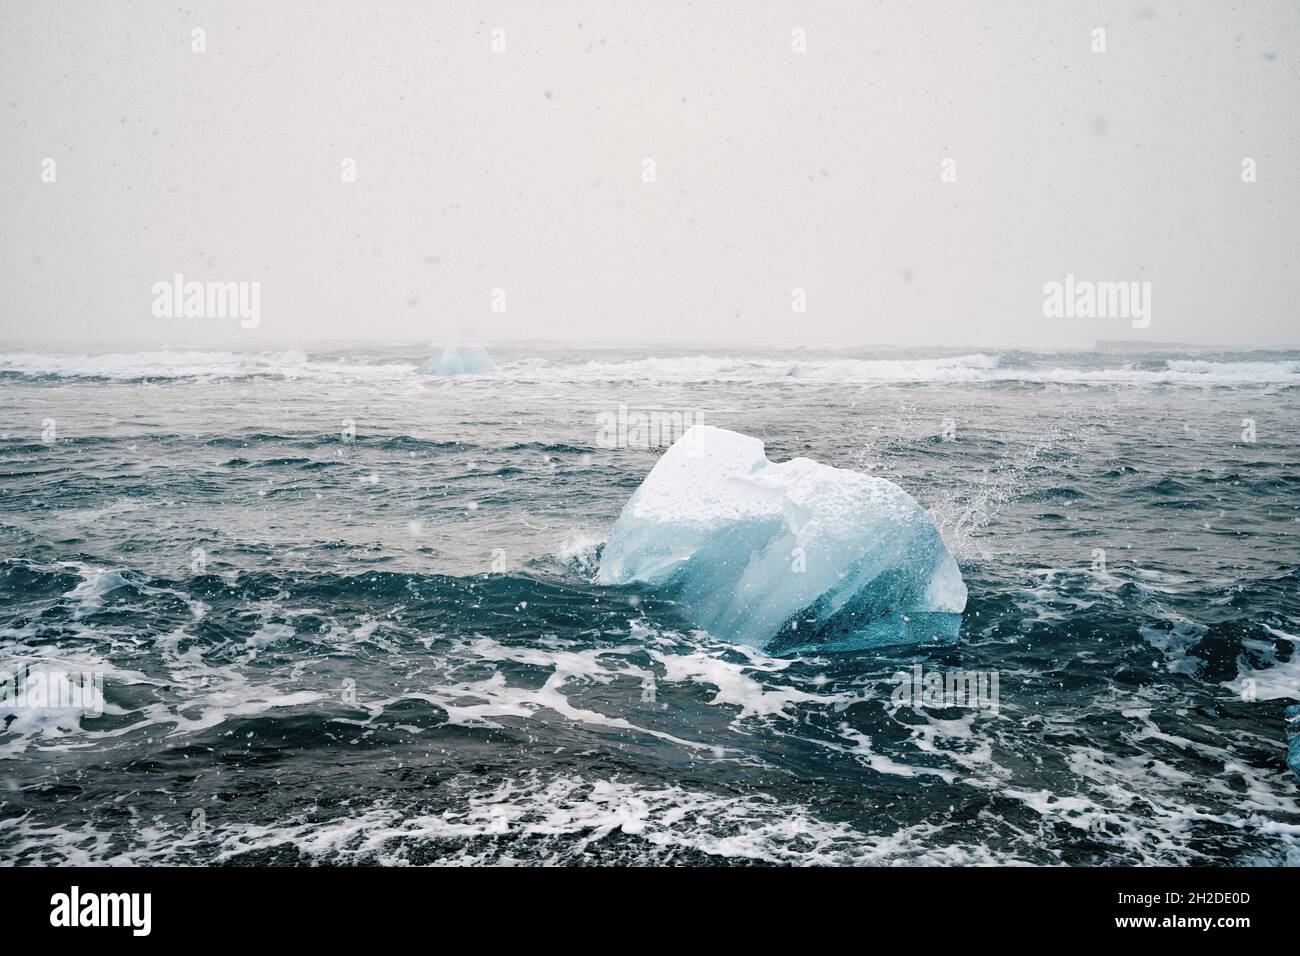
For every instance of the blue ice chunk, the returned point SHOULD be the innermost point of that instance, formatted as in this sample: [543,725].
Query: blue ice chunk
[459,360]
[795,556]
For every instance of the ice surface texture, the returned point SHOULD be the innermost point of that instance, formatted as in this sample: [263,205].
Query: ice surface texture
[787,557]
[1293,739]
[460,360]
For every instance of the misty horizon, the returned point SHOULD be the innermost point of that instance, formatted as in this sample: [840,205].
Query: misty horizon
[863,177]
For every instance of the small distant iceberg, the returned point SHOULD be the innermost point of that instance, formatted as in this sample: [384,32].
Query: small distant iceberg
[788,557]
[459,360]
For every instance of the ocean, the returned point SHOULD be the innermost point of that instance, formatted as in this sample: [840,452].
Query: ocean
[345,613]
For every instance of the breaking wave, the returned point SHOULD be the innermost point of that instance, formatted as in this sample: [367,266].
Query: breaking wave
[1100,369]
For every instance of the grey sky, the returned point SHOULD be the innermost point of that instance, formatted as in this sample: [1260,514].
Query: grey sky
[523,170]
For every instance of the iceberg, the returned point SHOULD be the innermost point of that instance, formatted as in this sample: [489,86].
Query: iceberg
[459,360]
[789,557]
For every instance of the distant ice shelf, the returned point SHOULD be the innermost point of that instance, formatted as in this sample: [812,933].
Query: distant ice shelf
[788,557]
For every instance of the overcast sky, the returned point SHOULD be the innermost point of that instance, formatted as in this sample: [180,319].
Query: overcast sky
[525,170]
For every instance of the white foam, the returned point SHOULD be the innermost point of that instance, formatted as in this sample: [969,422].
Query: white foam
[560,820]
[1279,680]
[734,685]
[95,584]
[580,552]
[156,364]
[972,368]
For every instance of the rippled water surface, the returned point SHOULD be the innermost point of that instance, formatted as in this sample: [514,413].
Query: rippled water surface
[345,613]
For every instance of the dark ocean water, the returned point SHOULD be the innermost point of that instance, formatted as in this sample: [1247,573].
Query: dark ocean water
[344,613]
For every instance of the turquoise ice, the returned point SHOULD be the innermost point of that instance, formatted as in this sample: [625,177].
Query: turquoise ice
[787,557]
[1293,739]
[459,360]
